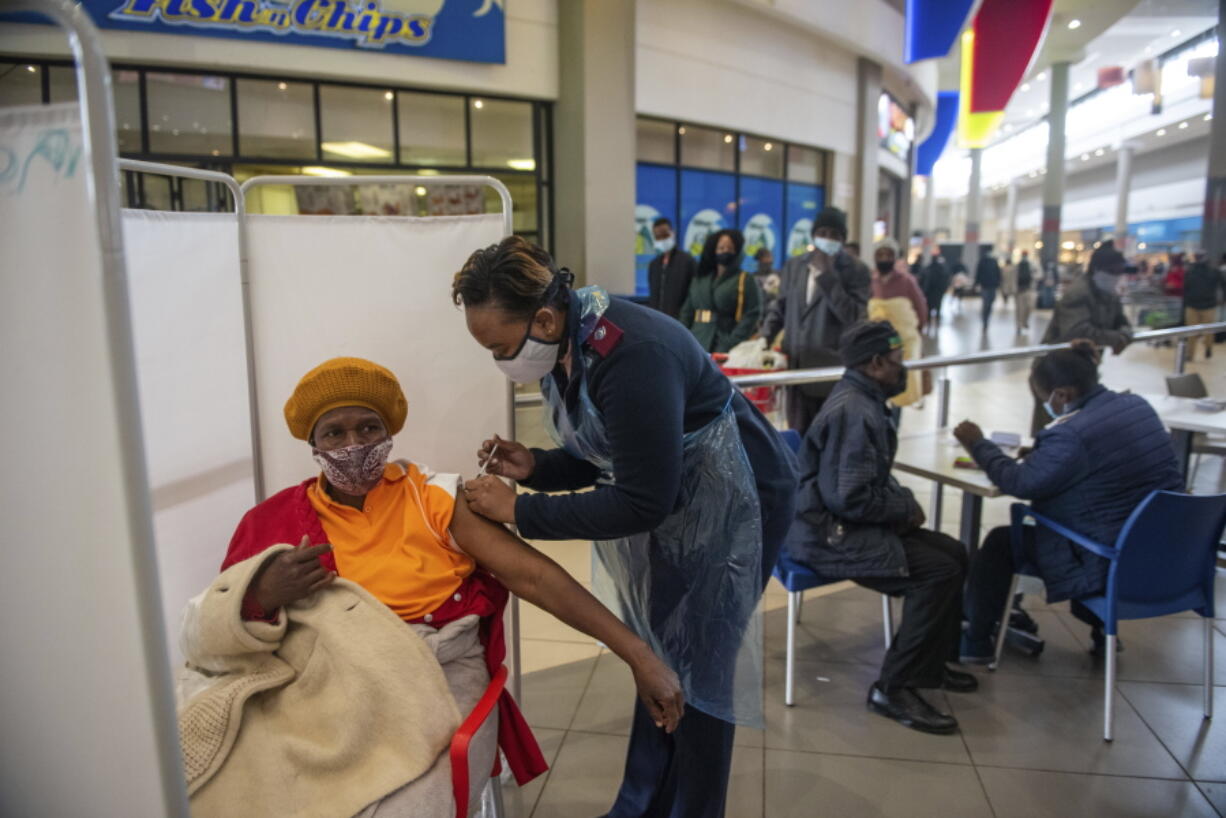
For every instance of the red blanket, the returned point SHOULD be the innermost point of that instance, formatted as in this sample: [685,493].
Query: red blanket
[287,516]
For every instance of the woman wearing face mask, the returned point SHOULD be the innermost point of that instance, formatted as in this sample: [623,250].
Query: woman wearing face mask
[397,530]
[897,298]
[693,497]
[1101,454]
[724,303]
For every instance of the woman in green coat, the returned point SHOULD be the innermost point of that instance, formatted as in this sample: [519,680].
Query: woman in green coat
[724,304]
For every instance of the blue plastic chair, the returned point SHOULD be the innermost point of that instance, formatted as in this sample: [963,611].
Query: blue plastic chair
[1163,562]
[797,579]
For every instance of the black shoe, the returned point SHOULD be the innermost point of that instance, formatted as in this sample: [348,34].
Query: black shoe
[959,681]
[909,709]
[1099,648]
[1022,621]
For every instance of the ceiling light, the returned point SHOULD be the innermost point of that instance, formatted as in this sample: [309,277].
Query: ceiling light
[1183,126]
[1078,86]
[31,69]
[355,150]
[727,139]
[478,104]
[1176,33]
[315,170]
[1085,157]
[388,96]
[216,152]
[1208,117]
[1142,246]
[1068,245]
[1074,24]
[1161,132]
[281,86]
[767,146]
[1098,152]
[1038,245]
[521,164]
[681,130]
[420,191]
[1042,76]
[1025,87]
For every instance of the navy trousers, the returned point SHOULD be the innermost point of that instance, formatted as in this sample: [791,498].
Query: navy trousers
[685,775]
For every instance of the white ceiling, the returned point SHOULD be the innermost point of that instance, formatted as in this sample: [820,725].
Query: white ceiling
[1122,33]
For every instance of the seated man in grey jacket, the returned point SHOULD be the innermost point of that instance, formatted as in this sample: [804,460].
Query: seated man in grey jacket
[855,521]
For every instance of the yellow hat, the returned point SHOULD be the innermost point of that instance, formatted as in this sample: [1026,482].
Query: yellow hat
[345,382]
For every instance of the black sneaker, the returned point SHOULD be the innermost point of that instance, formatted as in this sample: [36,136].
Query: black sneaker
[959,681]
[909,709]
[1099,648]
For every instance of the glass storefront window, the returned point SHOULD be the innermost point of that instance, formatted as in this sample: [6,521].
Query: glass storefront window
[125,86]
[431,129]
[63,83]
[276,119]
[523,201]
[761,157]
[502,134]
[805,165]
[189,114]
[707,148]
[20,84]
[656,141]
[356,124]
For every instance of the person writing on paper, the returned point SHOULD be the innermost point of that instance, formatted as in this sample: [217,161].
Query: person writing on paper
[398,539]
[854,521]
[1101,454]
[724,302]
[693,497]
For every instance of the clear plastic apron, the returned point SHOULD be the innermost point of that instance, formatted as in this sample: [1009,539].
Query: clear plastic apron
[690,587]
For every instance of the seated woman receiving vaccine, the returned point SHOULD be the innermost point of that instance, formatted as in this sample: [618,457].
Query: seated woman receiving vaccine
[357,620]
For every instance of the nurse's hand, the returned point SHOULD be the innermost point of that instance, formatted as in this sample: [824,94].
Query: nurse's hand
[513,460]
[491,498]
[659,688]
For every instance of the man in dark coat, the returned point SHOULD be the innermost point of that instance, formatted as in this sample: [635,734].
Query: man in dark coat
[855,521]
[822,294]
[1025,277]
[987,276]
[1103,454]
[1202,293]
[935,283]
[669,274]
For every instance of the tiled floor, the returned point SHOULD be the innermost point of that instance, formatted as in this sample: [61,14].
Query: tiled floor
[1030,742]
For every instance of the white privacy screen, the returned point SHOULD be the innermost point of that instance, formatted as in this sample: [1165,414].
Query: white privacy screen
[185,289]
[376,288]
[76,722]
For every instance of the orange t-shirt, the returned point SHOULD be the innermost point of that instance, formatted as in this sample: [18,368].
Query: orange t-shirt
[398,546]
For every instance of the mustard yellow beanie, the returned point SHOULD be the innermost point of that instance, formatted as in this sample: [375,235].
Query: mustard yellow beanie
[345,382]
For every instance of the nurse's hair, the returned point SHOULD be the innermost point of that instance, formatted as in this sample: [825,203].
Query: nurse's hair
[1076,366]
[513,275]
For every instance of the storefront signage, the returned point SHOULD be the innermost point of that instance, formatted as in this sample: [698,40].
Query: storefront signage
[470,30]
[895,129]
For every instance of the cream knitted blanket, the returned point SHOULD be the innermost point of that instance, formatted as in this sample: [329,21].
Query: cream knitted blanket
[318,715]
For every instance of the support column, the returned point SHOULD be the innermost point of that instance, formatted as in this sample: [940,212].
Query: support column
[868,85]
[1213,236]
[595,142]
[930,219]
[1053,180]
[1123,186]
[970,244]
[1011,218]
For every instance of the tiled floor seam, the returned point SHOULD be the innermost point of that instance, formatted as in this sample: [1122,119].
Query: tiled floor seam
[562,746]
[1089,772]
[1205,795]
[982,786]
[1137,710]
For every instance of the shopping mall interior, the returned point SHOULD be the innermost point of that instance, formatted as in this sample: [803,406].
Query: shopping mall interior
[203,200]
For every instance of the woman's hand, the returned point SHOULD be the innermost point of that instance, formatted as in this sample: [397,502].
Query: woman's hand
[660,690]
[291,575]
[491,498]
[513,460]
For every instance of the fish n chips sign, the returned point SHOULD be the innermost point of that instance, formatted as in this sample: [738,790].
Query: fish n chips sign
[471,30]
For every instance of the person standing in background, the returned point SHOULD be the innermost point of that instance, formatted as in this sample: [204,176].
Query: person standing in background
[1174,282]
[1024,301]
[669,274]
[1202,293]
[724,305]
[897,299]
[823,292]
[766,275]
[935,282]
[1008,279]
[987,276]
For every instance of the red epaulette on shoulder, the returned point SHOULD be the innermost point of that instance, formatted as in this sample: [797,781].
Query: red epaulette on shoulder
[605,337]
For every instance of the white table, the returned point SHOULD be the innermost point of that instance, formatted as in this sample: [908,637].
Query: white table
[1183,419]
[931,455]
